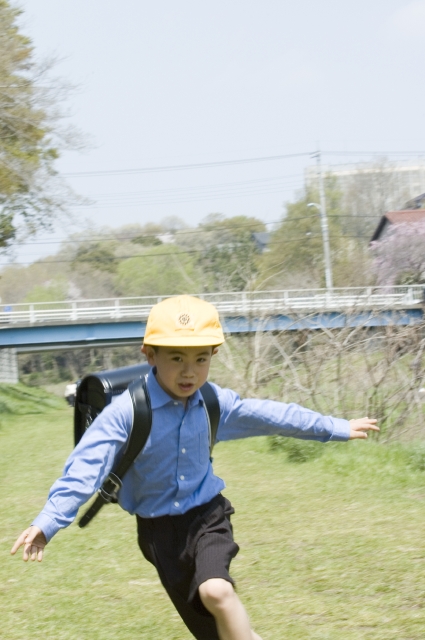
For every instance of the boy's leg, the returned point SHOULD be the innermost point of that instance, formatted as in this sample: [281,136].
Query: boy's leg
[202,626]
[219,597]
[195,550]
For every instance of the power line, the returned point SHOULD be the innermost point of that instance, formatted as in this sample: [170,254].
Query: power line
[205,192]
[183,167]
[199,187]
[223,163]
[217,196]
[373,153]
[181,198]
[177,195]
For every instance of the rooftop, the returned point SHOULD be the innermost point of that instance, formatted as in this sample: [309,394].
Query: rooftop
[411,216]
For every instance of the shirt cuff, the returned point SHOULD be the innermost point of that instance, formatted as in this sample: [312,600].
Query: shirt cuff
[47,525]
[341,430]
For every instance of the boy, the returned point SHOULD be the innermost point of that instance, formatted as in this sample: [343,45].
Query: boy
[183,520]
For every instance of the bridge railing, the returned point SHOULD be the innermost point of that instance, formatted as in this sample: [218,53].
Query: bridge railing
[227,303]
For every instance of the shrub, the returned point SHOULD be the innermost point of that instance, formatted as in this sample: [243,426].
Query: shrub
[296,450]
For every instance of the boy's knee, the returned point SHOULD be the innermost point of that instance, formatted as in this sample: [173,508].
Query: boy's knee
[216,594]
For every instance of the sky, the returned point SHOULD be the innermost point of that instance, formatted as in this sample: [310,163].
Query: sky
[172,84]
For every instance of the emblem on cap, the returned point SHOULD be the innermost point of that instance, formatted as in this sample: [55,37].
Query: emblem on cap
[184,321]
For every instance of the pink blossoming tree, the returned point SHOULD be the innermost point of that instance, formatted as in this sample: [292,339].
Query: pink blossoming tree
[399,258]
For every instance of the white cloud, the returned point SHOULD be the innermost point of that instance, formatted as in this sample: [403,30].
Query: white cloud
[409,21]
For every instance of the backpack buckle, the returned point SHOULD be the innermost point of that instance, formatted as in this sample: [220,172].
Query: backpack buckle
[109,489]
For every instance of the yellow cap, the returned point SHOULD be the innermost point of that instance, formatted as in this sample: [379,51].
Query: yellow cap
[183,321]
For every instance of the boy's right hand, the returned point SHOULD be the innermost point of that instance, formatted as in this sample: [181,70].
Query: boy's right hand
[34,542]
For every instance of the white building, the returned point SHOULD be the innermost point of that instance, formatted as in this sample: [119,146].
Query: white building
[374,187]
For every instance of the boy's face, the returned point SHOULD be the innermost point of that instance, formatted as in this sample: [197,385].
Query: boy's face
[180,371]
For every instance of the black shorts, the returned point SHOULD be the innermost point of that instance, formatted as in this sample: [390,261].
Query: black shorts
[187,550]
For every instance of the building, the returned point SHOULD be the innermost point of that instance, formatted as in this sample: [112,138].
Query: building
[409,216]
[416,203]
[261,240]
[374,187]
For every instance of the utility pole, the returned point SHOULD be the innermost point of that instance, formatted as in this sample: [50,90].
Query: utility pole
[324,224]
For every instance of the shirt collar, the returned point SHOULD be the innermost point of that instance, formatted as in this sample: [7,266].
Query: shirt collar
[159,397]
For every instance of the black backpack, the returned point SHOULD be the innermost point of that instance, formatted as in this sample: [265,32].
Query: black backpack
[96,390]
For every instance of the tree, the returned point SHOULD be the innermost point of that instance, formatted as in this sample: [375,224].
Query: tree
[296,255]
[296,246]
[17,282]
[52,291]
[148,235]
[157,271]
[173,224]
[227,252]
[399,258]
[30,139]
[95,256]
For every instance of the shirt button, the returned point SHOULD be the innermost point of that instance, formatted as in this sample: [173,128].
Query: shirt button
[181,477]
[152,515]
[183,450]
[176,403]
[177,504]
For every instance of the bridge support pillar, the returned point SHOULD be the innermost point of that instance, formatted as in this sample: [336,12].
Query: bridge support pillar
[9,366]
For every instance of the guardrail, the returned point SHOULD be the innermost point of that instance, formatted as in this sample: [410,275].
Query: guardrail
[227,303]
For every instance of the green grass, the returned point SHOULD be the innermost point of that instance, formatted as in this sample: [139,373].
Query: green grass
[18,399]
[332,548]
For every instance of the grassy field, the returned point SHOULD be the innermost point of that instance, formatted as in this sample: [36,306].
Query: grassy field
[333,548]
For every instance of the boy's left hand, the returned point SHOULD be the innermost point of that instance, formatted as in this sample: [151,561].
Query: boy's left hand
[358,428]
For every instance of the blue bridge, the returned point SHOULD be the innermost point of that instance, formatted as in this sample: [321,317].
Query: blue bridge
[83,323]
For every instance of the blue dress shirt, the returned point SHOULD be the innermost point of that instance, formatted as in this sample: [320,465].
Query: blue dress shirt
[173,473]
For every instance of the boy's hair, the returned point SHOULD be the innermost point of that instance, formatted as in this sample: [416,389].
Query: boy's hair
[156,348]
[183,321]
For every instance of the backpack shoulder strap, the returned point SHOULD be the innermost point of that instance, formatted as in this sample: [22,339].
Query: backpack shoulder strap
[213,411]
[140,430]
